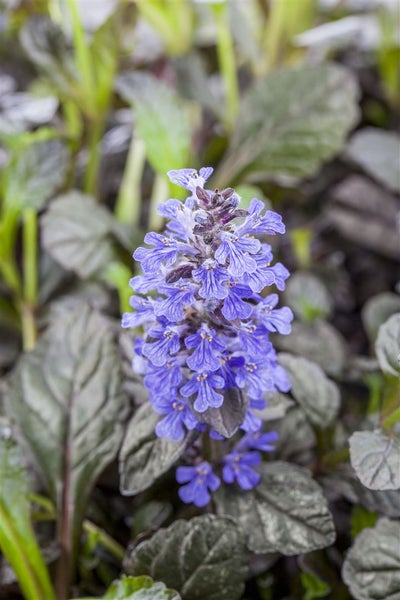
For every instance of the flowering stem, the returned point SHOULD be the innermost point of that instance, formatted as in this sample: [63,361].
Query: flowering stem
[128,206]
[30,283]
[227,63]
[159,194]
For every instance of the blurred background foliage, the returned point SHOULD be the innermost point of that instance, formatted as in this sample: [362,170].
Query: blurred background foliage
[295,102]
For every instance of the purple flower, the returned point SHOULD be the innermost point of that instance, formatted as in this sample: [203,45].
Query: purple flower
[254,338]
[256,223]
[144,312]
[234,306]
[189,178]
[181,221]
[164,377]
[251,422]
[166,250]
[238,466]
[208,348]
[236,250]
[213,279]
[279,319]
[179,294]
[203,385]
[255,376]
[257,440]
[167,343]
[144,283]
[198,481]
[177,415]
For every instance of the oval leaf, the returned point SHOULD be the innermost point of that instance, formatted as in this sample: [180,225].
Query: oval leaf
[376,459]
[377,152]
[377,310]
[76,233]
[159,118]
[144,456]
[372,566]
[317,395]
[35,173]
[387,346]
[72,381]
[318,341]
[203,559]
[139,588]
[291,122]
[308,297]
[272,516]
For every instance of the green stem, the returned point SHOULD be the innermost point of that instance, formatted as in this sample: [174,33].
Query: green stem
[72,119]
[30,282]
[11,275]
[159,194]
[106,540]
[92,168]
[227,64]
[337,457]
[82,56]
[128,206]
[30,255]
[29,330]
[392,419]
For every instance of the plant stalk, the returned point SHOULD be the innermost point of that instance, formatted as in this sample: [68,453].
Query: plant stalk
[227,64]
[128,206]
[159,194]
[30,278]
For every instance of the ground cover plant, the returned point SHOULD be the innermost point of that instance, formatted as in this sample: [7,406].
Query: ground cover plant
[199,308]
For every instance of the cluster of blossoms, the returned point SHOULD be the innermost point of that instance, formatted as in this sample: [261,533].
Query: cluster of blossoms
[205,354]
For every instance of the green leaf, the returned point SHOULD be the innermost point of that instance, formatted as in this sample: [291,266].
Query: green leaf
[290,123]
[285,513]
[377,310]
[308,297]
[387,346]
[377,152]
[361,518]
[47,47]
[319,342]
[144,456]
[318,396]
[35,173]
[375,457]
[372,566]
[314,586]
[139,588]
[160,120]
[72,381]
[17,539]
[77,233]
[204,559]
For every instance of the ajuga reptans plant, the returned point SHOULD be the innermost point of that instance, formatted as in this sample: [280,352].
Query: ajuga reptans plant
[206,307]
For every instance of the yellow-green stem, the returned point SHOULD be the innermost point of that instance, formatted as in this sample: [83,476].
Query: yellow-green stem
[30,255]
[94,149]
[227,64]
[159,194]
[29,330]
[128,206]
[105,540]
